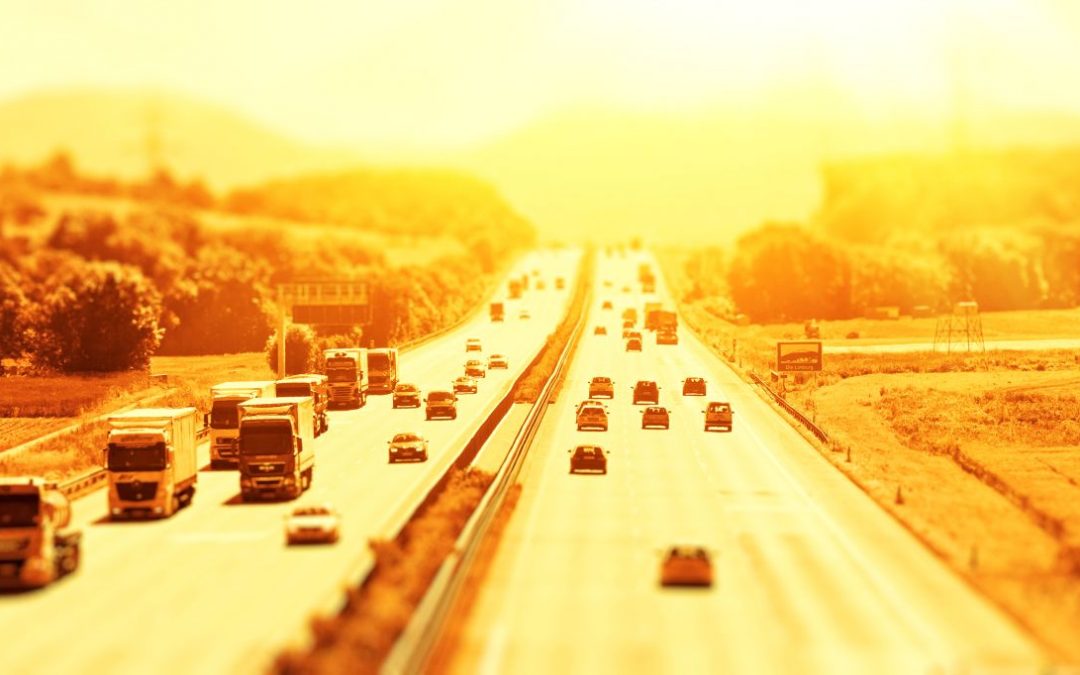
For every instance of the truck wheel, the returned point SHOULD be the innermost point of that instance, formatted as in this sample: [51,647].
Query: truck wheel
[70,561]
[305,479]
[187,496]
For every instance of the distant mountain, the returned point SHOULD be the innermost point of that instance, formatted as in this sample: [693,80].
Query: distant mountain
[116,132]
[608,175]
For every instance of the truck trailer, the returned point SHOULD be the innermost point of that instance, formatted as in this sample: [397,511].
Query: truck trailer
[382,366]
[277,447]
[151,462]
[223,420]
[347,369]
[36,548]
[498,311]
[314,385]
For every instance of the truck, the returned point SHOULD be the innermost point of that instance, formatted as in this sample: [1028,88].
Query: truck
[277,447]
[346,367]
[382,370]
[515,289]
[662,321]
[36,546]
[223,421]
[314,385]
[498,311]
[151,462]
[650,307]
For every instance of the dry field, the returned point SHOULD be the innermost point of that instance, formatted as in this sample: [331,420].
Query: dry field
[979,455]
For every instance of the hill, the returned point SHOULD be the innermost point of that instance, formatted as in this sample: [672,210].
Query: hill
[108,131]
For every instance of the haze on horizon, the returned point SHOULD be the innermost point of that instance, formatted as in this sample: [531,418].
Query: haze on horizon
[435,78]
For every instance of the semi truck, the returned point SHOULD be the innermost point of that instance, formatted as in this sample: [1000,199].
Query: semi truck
[382,370]
[498,311]
[223,421]
[662,321]
[314,385]
[151,462]
[36,546]
[515,289]
[277,447]
[346,368]
[649,308]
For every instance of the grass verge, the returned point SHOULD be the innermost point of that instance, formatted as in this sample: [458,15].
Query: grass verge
[358,639]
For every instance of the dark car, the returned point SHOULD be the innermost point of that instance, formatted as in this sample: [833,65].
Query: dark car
[607,305]
[406,395]
[633,345]
[693,386]
[646,391]
[465,385]
[440,404]
[600,330]
[408,446]
[588,458]
[627,323]
[655,416]
[718,414]
[686,566]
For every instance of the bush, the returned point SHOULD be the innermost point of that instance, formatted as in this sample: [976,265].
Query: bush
[97,317]
[301,350]
[13,306]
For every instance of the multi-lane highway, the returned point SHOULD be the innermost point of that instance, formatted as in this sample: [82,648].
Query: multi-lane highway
[811,575]
[214,589]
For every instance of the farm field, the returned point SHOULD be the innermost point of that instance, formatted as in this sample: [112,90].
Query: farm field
[978,454]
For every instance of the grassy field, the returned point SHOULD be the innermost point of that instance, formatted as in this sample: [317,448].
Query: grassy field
[977,454]
[77,452]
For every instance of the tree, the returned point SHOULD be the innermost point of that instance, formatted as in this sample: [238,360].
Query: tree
[97,317]
[301,350]
[13,305]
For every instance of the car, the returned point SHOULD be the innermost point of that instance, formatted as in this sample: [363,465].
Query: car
[312,524]
[633,334]
[607,283]
[440,403]
[655,416]
[627,333]
[541,286]
[475,368]
[524,314]
[599,330]
[646,391]
[601,387]
[560,283]
[693,386]
[407,446]
[406,394]
[718,414]
[607,305]
[630,314]
[591,415]
[633,345]
[667,337]
[473,345]
[686,566]
[497,361]
[588,458]
[625,289]
[627,324]
[465,385]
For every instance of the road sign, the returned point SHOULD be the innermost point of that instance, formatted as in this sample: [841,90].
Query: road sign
[327,302]
[801,356]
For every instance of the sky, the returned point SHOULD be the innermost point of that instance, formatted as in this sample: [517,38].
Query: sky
[443,73]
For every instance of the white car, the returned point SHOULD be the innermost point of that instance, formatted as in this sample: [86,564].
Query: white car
[312,524]
[524,314]
[497,361]
[473,345]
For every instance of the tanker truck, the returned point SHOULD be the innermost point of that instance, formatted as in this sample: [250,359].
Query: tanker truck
[151,462]
[277,447]
[36,548]
[223,420]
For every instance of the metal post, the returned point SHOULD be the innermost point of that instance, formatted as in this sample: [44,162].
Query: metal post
[281,334]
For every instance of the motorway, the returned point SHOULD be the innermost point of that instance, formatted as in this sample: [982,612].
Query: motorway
[214,589]
[811,575]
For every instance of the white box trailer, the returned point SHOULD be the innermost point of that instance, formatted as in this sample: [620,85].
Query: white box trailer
[224,420]
[151,461]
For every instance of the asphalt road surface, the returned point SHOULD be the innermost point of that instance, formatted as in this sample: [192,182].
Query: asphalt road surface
[214,589]
[811,575]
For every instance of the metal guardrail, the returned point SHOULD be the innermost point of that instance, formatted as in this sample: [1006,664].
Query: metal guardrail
[790,409]
[416,645]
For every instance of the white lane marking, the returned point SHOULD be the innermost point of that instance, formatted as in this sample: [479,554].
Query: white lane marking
[217,537]
[493,651]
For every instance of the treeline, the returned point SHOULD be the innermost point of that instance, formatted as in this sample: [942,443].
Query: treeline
[1000,229]
[94,290]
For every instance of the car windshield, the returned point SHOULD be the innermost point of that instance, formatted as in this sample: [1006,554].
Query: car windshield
[311,511]
[440,396]
[656,411]
[406,438]
[601,380]
[19,510]
[136,458]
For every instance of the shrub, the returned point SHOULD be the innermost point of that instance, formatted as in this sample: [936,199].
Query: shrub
[97,317]
[301,350]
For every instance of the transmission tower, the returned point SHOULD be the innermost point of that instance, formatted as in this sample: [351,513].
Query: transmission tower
[962,327]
